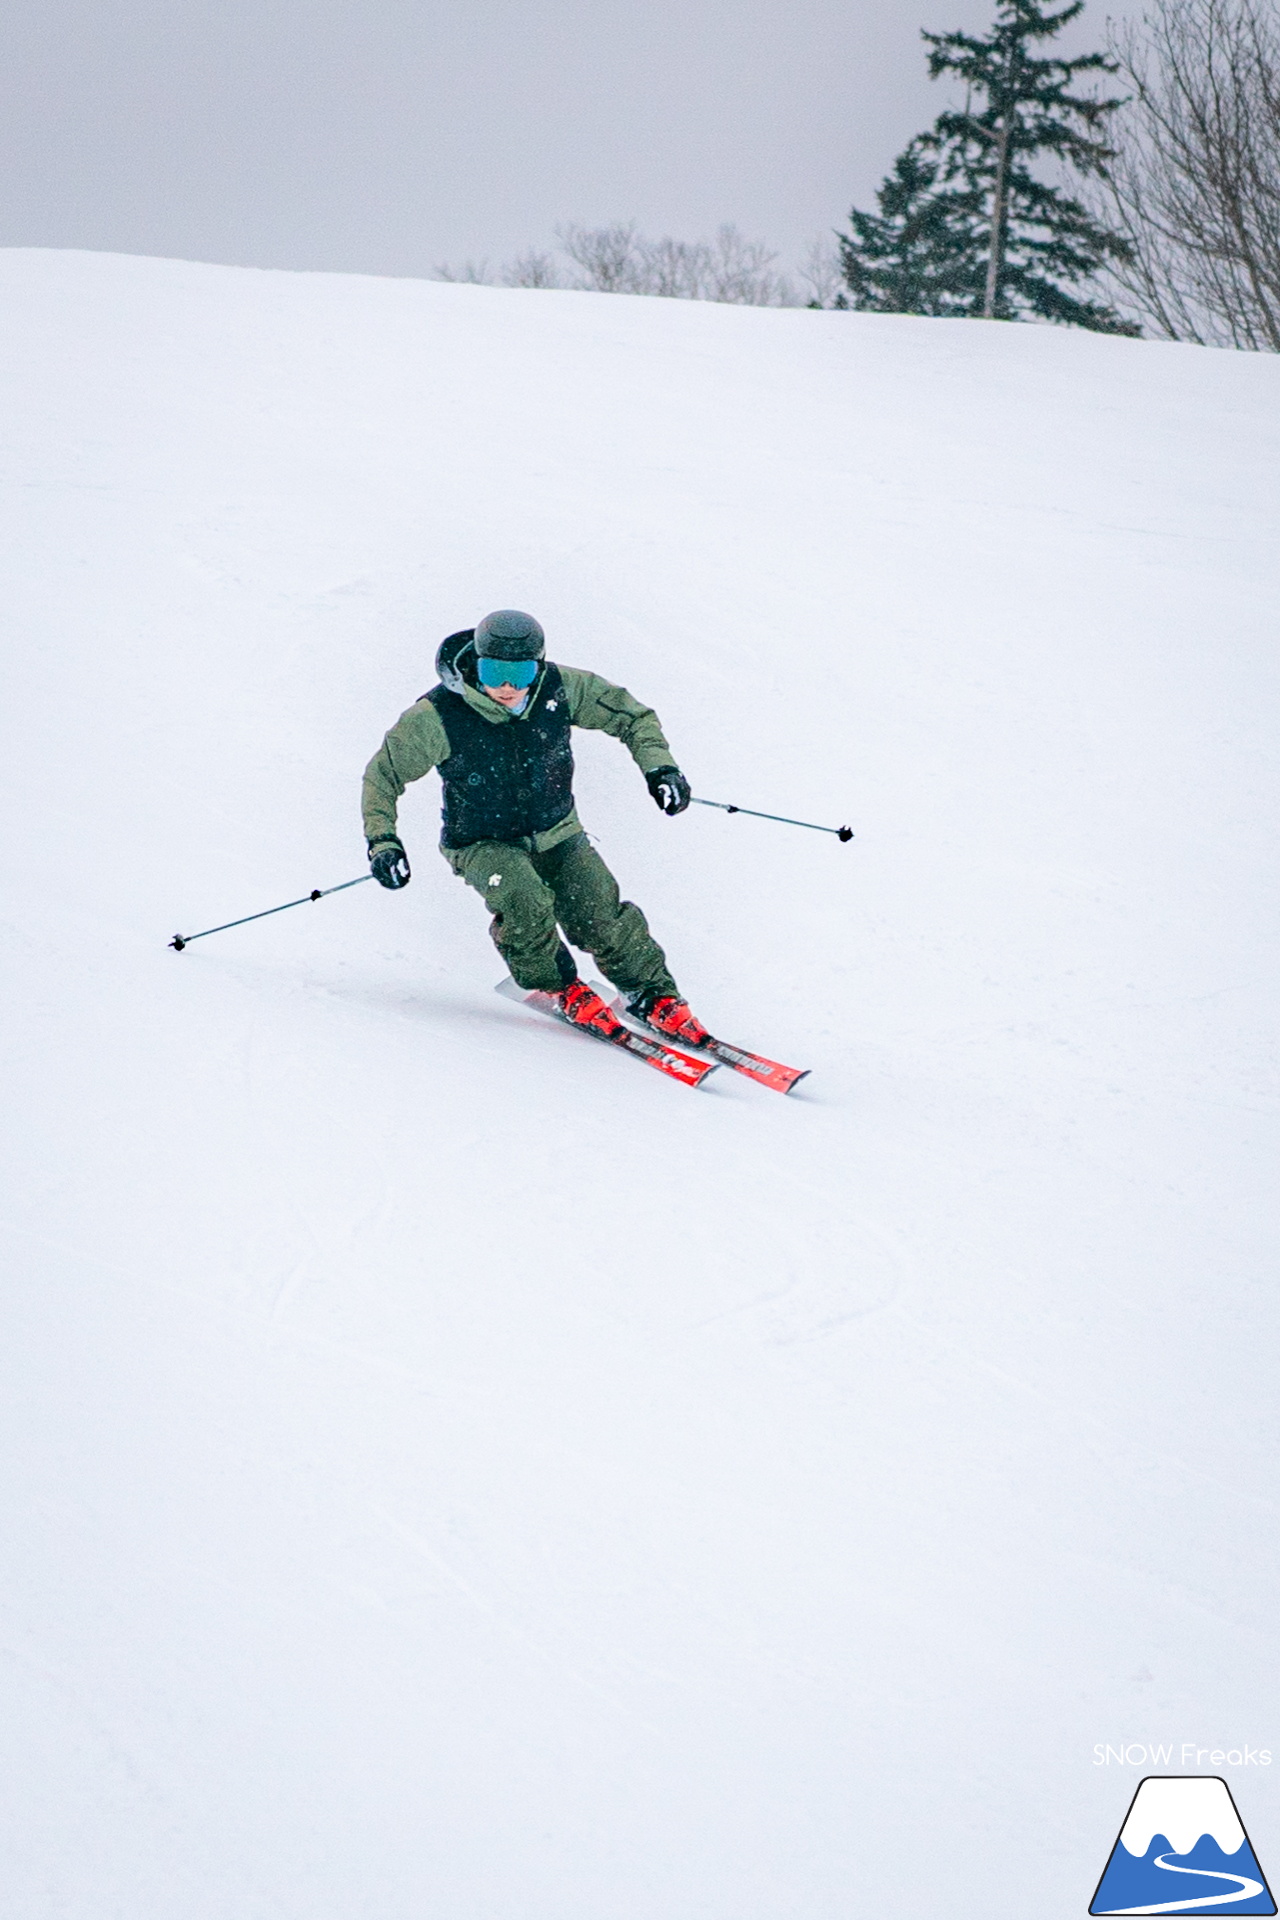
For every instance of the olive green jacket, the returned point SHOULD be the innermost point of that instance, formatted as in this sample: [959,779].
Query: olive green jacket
[418,742]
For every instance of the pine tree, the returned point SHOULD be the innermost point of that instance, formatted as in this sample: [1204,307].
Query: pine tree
[966,225]
[921,253]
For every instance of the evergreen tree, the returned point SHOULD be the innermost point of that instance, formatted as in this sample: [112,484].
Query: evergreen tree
[922,252]
[966,225]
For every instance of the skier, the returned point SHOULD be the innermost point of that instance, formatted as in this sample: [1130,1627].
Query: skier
[497,727]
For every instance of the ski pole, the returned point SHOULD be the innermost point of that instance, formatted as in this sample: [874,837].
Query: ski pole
[841,833]
[181,940]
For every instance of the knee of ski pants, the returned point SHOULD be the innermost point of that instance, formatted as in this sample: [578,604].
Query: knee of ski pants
[586,896]
[588,901]
[507,881]
[596,918]
[523,927]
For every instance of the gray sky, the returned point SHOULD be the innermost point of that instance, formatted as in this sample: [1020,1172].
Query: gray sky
[383,136]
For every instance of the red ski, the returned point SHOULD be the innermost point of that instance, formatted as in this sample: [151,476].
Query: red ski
[641,1046]
[765,1073]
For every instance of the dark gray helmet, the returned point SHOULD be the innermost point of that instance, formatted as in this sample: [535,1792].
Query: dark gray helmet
[508,635]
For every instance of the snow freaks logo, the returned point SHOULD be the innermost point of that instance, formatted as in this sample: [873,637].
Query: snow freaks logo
[1182,1849]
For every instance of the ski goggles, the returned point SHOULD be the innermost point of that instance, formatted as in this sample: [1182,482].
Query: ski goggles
[507,673]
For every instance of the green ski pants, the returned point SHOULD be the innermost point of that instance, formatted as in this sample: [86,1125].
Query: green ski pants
[533,895]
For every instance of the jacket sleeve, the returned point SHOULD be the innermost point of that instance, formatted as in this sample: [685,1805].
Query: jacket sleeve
[597,703]
[415,744]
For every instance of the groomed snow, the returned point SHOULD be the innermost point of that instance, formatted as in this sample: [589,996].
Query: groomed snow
[451,1471]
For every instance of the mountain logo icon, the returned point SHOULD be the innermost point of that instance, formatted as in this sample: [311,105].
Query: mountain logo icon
[1182,1850]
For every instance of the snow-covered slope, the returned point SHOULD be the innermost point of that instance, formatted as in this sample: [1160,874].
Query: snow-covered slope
[451,1471]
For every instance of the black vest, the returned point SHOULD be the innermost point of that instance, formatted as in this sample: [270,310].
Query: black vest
[505,779]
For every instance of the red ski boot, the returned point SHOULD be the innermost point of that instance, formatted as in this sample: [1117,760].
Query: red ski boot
[672,1017]
[581,1005]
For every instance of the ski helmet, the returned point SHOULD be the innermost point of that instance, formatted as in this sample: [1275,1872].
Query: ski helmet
[508,635]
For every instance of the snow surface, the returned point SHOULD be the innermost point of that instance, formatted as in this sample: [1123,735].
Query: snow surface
[450,1470]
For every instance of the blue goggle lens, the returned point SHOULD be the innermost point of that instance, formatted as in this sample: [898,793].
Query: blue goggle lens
[507,673]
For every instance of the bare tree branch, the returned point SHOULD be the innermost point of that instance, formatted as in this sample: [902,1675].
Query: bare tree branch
[474,273]
[822,274]
[620,259]
[532,269]
[609,257]
[1195,184]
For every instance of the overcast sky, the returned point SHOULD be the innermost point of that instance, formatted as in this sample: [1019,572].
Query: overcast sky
[384,136]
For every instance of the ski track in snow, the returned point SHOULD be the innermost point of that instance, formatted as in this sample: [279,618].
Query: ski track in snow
[450,1470]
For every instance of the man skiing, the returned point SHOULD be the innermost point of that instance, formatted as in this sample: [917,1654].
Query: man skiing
[498,729]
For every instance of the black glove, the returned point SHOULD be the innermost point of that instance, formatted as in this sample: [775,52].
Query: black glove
[670,789]
[390,864]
